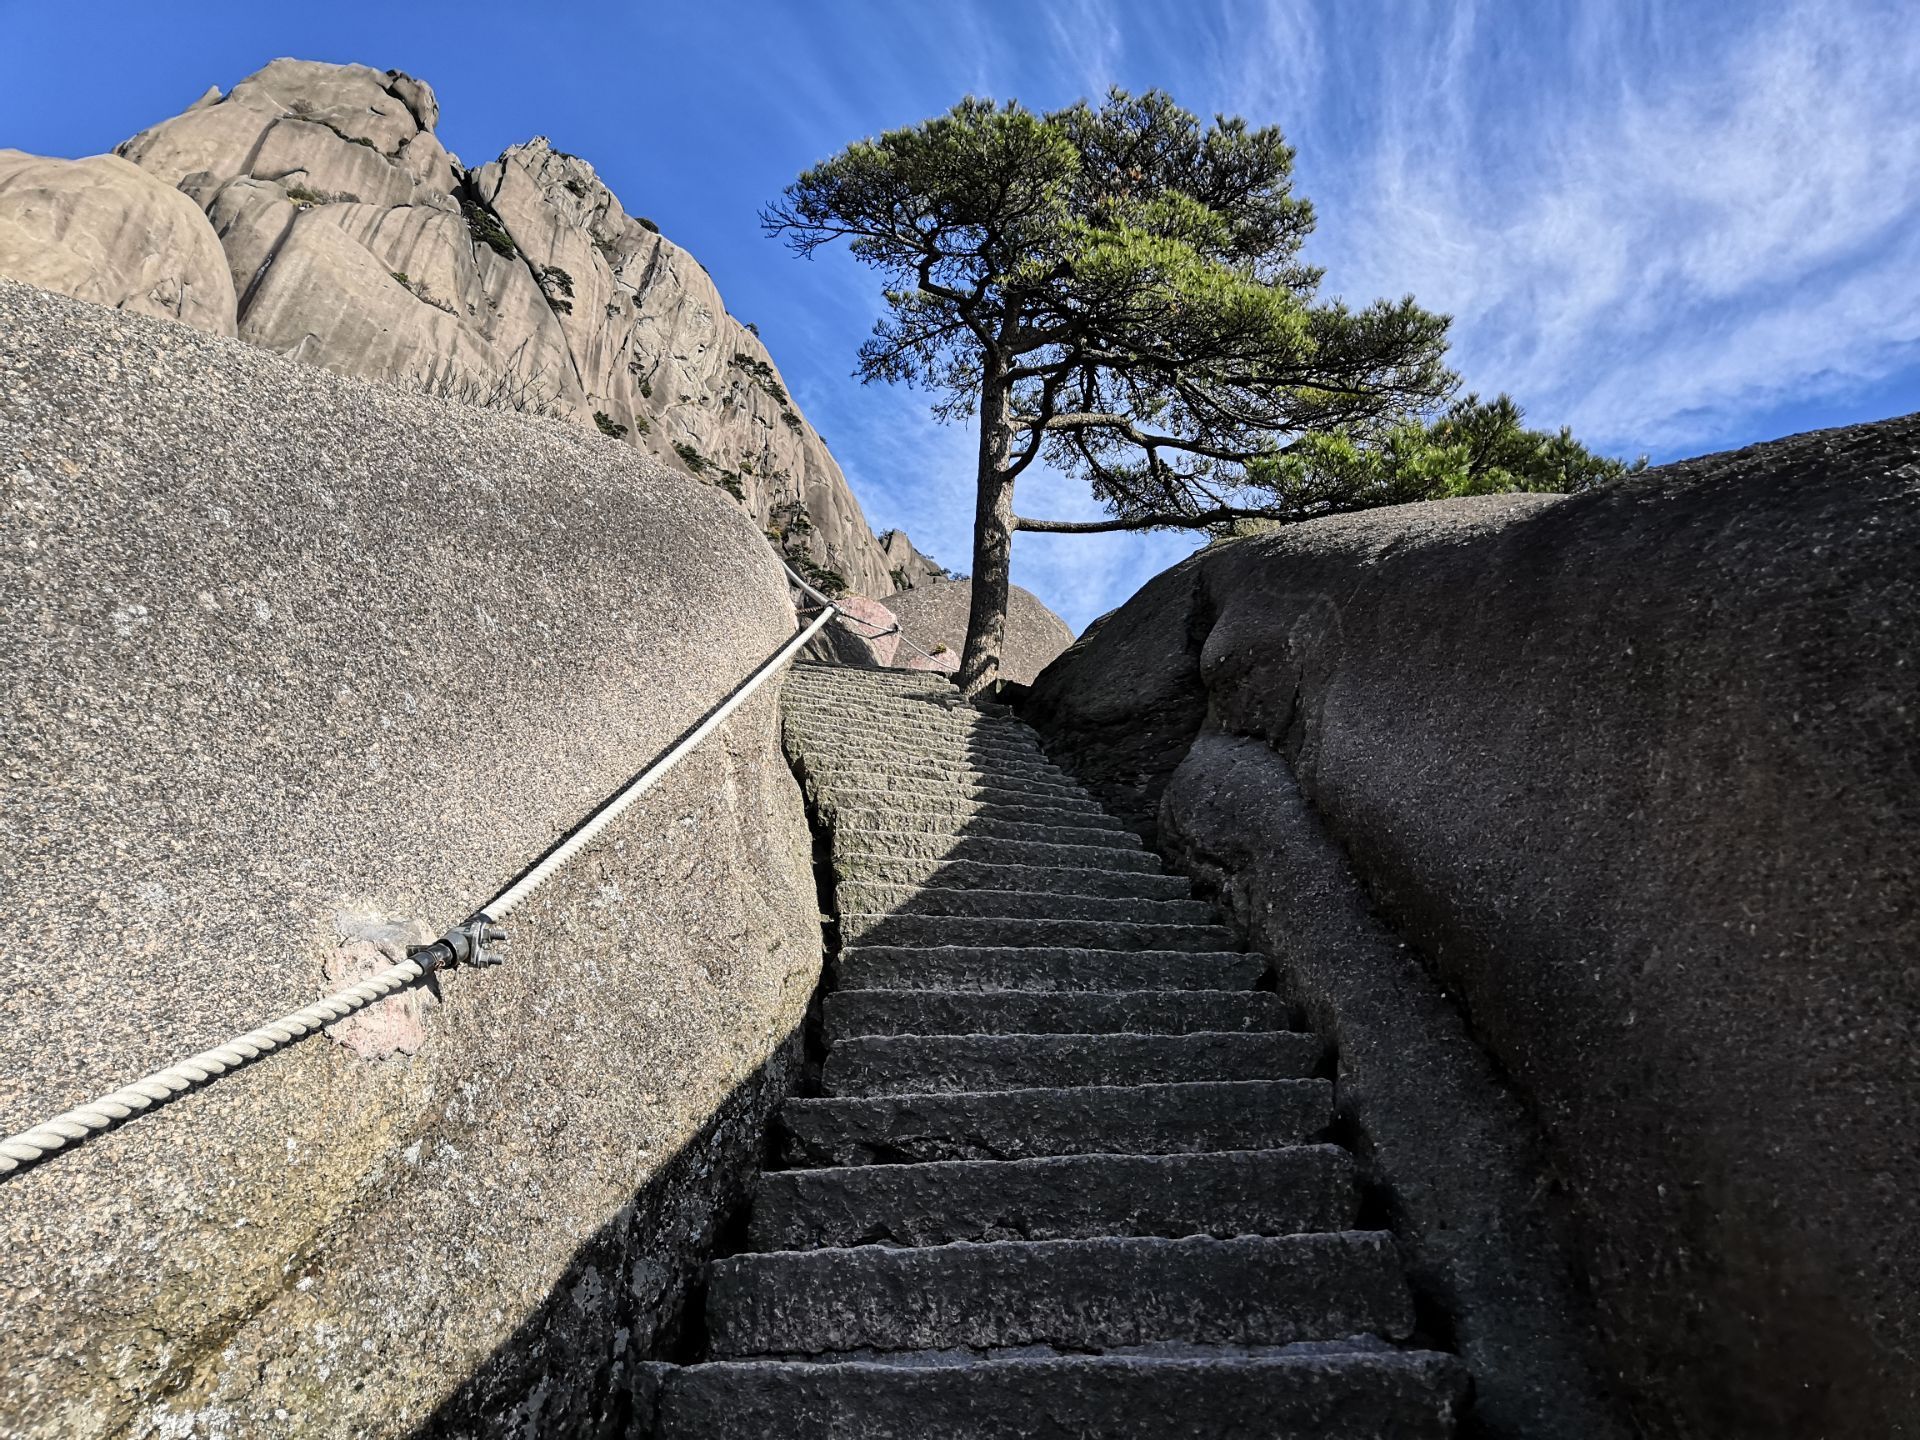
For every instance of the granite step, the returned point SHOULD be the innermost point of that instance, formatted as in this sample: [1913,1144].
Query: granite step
[847,1013]
[1347,1395]
[1083,1294]
[853,843]
[960,810]
[982,827]
[1017,1124]
[1060,1197]
[857,927]
[864,897]
[866,868]
[1043,968]
[868,1065]
[953,742]
[937,793]
[836,779]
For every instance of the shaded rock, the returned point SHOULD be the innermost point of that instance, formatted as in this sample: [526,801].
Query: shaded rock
[1633,770]
[262,675]
[934,617]
[102,230]
[866,634]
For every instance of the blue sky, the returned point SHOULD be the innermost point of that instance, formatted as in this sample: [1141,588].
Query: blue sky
[1677,227]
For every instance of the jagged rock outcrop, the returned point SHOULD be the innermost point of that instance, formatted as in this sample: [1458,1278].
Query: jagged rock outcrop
[357,243]
[1633,771]
[259,705]
[934,616]
[108,232]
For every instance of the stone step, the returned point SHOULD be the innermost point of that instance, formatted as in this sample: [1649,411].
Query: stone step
[956,809]
[927,706]
[1348,1395]
[1001,770]
[854,844]
[875,722]
[1085,1120]
[1059,1197]
[830,734]
[939,793]
[919,1064]
[857,927]
[866,868]
[940,694]
[1083,1294]
[831,673]
[837,778]
[1027,1012]
[894,772]
[1066,968]
[984,827]
[861,896]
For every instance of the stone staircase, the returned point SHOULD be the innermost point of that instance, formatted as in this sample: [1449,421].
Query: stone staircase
[1061,1177]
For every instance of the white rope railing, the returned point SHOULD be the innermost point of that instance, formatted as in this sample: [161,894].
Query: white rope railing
[466,943]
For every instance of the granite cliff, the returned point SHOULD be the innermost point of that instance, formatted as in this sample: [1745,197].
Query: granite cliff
[311,210]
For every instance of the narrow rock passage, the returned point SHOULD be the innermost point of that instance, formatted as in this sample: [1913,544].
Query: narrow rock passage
[1062,1176]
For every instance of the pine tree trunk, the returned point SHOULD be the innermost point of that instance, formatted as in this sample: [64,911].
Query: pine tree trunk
[992,536]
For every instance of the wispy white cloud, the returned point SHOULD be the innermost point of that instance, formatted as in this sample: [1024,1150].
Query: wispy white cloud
[1675,239]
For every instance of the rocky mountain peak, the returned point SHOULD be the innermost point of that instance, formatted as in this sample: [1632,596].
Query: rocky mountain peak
[350,238]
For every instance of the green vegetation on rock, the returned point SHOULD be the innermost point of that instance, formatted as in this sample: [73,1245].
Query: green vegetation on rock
[485,227]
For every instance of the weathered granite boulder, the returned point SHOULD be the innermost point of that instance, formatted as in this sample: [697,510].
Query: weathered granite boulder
[1633,772]
[933,615]
[297,665]
[107,231]
[865,634]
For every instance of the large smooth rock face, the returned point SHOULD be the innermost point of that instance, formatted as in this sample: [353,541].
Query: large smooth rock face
[1634,772]
[359,244]
[291,659]
[103,230]
[934,617]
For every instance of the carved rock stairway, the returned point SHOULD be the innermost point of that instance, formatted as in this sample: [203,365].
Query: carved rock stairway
[1061,1177]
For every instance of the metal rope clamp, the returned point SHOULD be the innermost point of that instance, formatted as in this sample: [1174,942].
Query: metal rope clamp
[474,941]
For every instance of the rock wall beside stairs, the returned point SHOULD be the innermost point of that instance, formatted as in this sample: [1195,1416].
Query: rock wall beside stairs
[300,666]
[1633,771]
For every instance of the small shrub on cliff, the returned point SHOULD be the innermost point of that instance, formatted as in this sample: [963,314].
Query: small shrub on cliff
[642,425]
[690,457]
[646,224]
[792,421]
[760,371]
[821,577]
[485,227]
[608,425]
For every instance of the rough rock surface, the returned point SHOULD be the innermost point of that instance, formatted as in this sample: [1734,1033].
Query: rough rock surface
[1634,772]
[356,242]
[262,698]
[106,231]
[934,617]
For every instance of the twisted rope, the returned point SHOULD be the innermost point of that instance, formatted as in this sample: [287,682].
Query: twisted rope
[72,1126]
